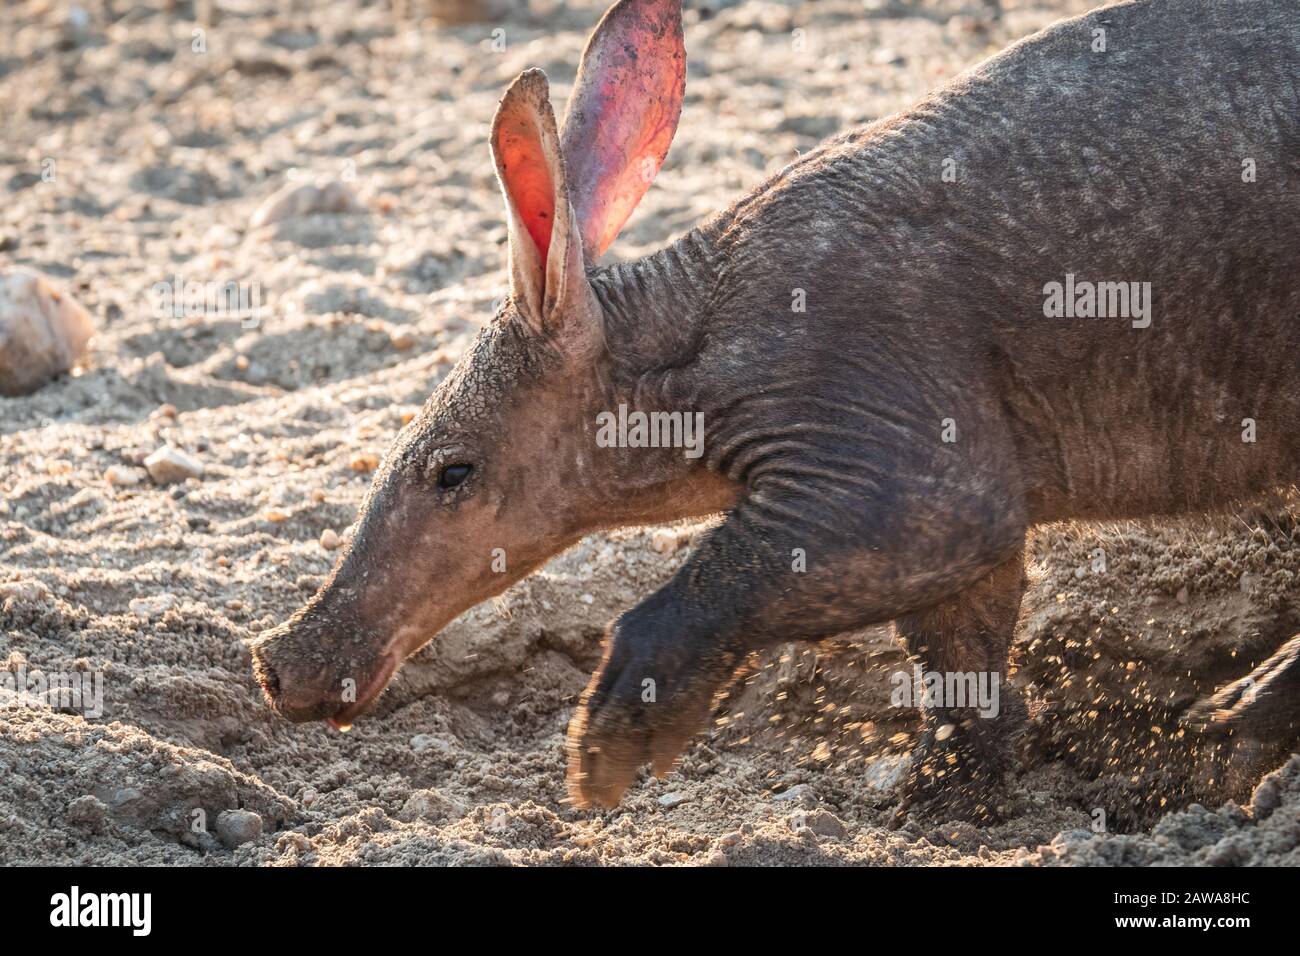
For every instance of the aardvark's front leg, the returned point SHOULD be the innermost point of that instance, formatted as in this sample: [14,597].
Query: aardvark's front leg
[664,662]
[778,569]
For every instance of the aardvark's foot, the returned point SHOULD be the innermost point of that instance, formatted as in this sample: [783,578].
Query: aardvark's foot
[1263,704]
[649,696]
[961,777]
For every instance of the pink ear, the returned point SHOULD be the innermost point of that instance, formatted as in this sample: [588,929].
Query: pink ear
[546,266]
[622,115]
[522,157]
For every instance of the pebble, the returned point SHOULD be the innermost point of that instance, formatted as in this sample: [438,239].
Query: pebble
[43,332]
[293,201]
[429,805]
[125,797]
[824,823]
[237,827]
[170,465]
[88,811]
[885,772]
[124,476]
[670,800]
[293,840]
[153,607]
[1074,836]
[329,539]
[402,338]
[666,541]
[807,835]
[423,742]
[1228,853]
[799,793]
[364,462]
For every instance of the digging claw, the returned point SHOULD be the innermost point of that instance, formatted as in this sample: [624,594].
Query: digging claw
[643,705]
[608,744]
[962,779]
[1261,704]
[604,763]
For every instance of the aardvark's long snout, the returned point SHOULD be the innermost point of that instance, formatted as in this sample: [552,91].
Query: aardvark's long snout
[333,658]
[313,668]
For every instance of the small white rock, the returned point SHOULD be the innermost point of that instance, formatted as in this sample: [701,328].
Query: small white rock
[885,772]
[42,332]
[666,541]
[237,827]
[799,793]
[153,607]
[169,465]
[124,476]
[329,539]
[423,742]
[670,800]
[402,337]
[293,201]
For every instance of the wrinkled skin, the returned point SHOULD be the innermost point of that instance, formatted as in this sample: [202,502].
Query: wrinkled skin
[881,452]
[421,554]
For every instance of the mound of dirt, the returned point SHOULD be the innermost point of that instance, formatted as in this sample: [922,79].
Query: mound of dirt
[1129,626]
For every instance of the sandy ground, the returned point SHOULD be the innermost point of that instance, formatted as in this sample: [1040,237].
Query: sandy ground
[161,153]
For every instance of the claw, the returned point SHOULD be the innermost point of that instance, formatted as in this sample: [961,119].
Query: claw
[616,731]
[1262,703]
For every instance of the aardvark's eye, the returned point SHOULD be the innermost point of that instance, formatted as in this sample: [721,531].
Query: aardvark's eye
[453,475]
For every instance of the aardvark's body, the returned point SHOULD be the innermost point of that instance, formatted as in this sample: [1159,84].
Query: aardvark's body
[1066,286]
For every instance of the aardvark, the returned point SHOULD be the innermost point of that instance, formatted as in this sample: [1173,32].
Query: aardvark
[1055,289]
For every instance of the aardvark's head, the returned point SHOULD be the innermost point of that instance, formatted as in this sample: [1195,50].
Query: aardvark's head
[501,470]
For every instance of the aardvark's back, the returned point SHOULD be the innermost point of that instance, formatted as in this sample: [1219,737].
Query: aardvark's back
[1146,155]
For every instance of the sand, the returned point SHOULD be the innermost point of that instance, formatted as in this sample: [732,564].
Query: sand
[162,154]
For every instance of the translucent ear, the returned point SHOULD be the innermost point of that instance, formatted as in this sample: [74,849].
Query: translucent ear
[623,113]
[544,252]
